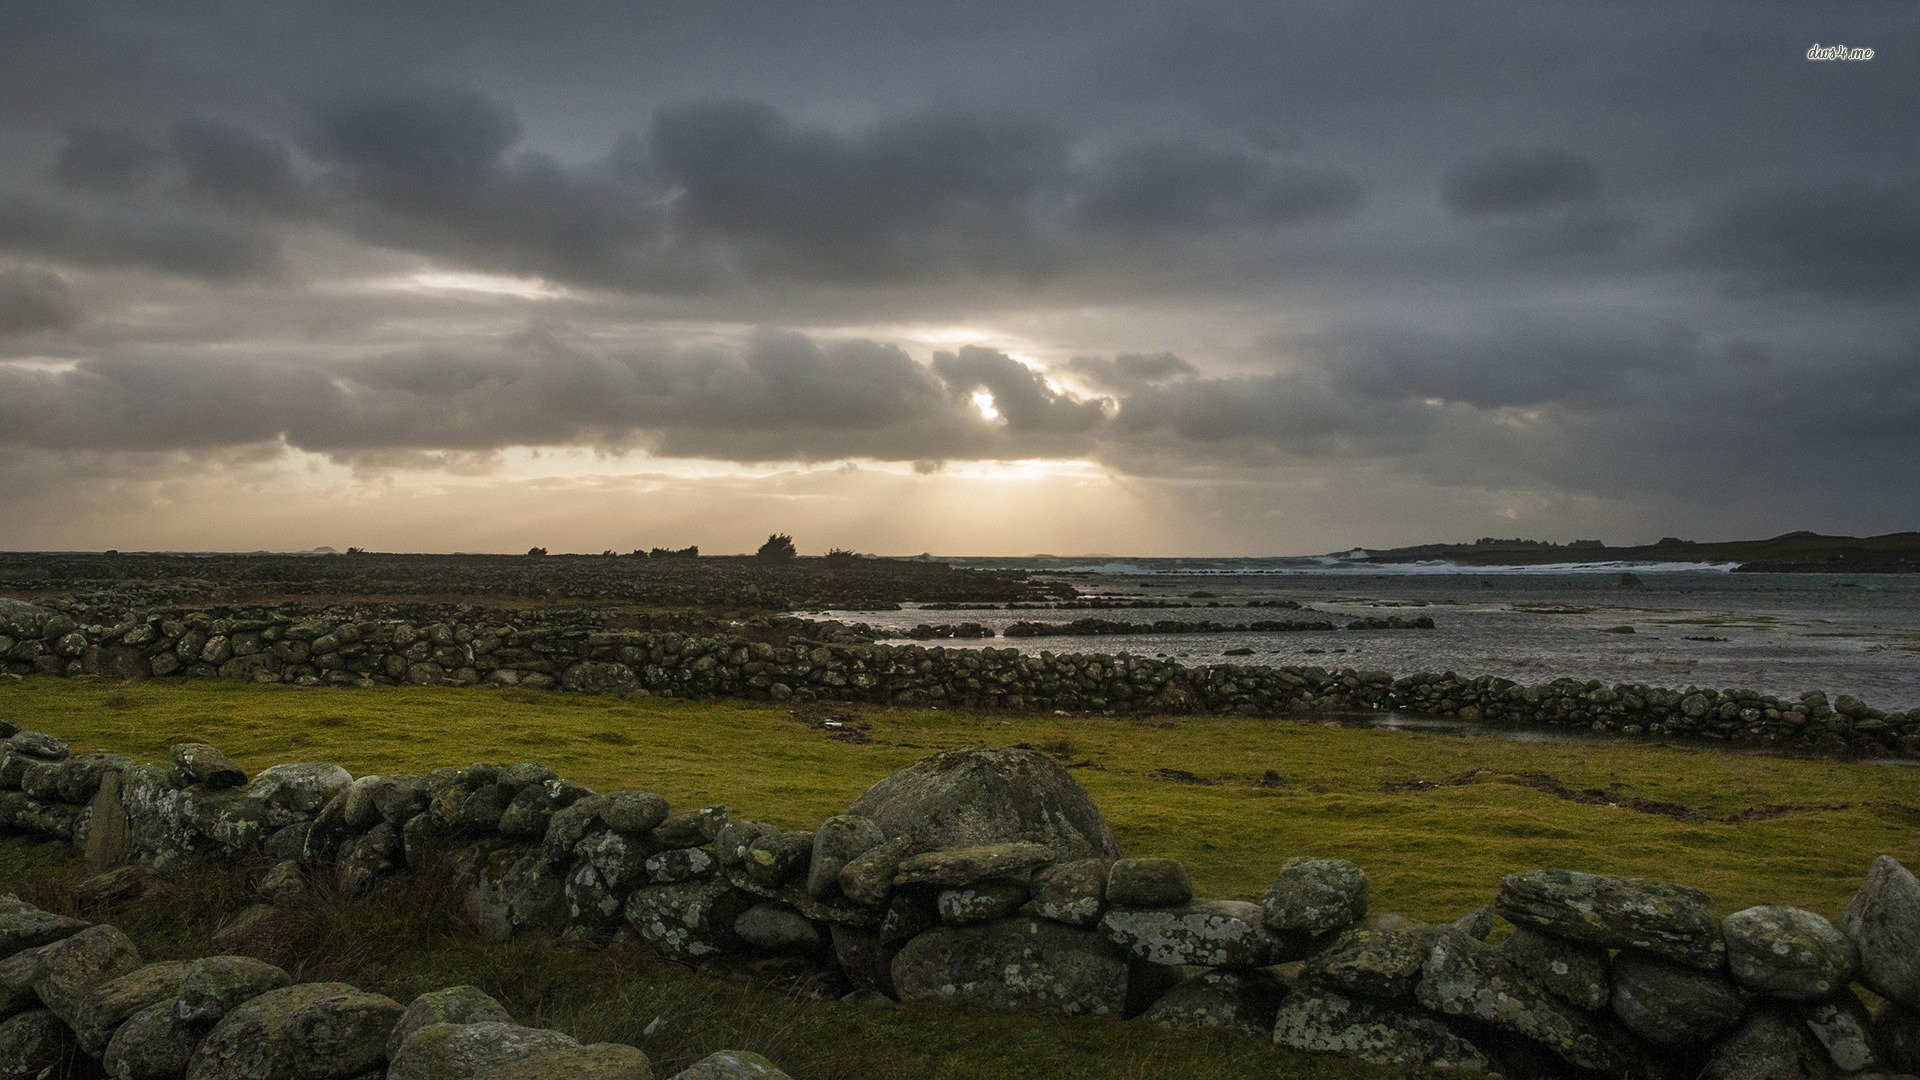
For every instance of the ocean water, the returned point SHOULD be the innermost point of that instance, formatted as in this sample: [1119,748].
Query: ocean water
[1693,624]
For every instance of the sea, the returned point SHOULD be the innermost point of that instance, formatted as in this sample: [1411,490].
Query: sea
[1660,624]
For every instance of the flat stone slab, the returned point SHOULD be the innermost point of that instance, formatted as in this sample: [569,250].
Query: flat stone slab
[1019,964]
[1204,933]
[1673,921]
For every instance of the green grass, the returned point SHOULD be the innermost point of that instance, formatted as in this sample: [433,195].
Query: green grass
[1750,828]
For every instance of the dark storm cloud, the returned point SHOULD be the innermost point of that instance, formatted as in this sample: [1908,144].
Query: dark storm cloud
[165,239]
[1020,394]
[1856,238]
[1129,370]
[1189,183]
[1512,181]
[229,166]
[108,159]
[35,300]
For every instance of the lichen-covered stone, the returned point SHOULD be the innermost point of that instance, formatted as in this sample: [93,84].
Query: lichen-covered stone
[688,922]
[837,841]
[110,1003]
[1771,1045]
[1897,1029]
[1575,973]
[1846,1029]
[23,926]
[32,1044]
[153,1044]
[637,812]
[1207,933]
[297,791]
[199,763]
[732,1065]
[777,858]
[17,975]
[453,1005]
[1471,979]
[458,1051]
[1667,1004]
[1242,1001]
[777,928]
[1073,893]
[1884,923]
[1324,1021]
[71,969]
[987,795]
[1314,896]
[868,877]
[1020,963]
[956,867]
[1148,883]
[680,864]
[310,1031]
[1673,921]
[978,903]
[1377,963]
[1787,952]
[214,986]
[693,828]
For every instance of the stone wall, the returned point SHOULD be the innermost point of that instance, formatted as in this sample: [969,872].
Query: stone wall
[76,991]
[378,645]
[989,877]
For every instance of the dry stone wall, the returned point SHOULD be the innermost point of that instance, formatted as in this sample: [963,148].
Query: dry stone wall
[381,645]
[988,877]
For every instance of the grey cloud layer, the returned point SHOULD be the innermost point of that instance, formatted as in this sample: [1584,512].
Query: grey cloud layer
[1640,251]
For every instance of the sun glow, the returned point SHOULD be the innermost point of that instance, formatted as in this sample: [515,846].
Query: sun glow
[451,281]
[983,400]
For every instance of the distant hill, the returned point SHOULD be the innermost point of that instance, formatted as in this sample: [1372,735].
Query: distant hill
[1794,552]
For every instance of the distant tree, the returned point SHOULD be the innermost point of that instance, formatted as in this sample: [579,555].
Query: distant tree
[842,554]
[356,551]
[689,552]
[779,547]
[536,551]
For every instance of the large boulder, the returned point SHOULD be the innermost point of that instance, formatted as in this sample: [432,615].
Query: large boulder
[1323,1021]
[1203,933]
[1317,895]
[1658,917]
[1788,952]
[32,1042]
[1670,1005]
[1575,973]
[1020,964]
[732,1065]
[154,1044]
[1383,962]
[312,1031]
[1884,922]
[454,1005]
[1473,980]
[214,985]
[458,1051]
[296,791]
[71,969]
[1242,1001]
[988,795]
[112,1002]
[1769,1046]
[23,926]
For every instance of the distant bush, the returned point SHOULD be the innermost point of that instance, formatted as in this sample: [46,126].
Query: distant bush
[778,547]
[536,551]
[688,552]
[842,555]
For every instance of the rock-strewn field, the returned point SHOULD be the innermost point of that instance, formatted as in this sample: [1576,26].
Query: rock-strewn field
[980,876]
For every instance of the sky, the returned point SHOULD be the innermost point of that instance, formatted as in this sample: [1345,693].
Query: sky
[1235,278]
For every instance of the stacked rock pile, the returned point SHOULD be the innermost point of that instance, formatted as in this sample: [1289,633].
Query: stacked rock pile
[346,648]
[72,989]
[989,877]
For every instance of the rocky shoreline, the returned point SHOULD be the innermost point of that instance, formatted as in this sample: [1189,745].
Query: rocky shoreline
[388,645]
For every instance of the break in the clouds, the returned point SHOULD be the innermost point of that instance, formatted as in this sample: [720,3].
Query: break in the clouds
[1215,277]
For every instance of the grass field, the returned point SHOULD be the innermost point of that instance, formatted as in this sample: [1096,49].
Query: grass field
[1435,819]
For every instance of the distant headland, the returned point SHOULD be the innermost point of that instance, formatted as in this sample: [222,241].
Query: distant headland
[1794,552]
